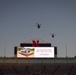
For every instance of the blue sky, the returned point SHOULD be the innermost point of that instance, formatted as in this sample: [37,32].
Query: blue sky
[18,20]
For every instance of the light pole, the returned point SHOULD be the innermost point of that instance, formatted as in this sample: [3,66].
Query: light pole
[66,49]
[5,50]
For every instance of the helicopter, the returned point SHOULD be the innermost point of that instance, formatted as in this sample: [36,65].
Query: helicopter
[38,25]
[53,35]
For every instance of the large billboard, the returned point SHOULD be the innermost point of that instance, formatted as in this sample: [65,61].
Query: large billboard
[35,52]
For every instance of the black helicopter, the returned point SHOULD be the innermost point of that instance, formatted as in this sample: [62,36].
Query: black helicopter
[38,25]
[53,35]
